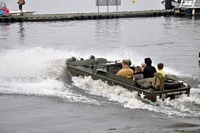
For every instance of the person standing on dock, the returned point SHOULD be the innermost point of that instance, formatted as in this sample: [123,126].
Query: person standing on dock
[21,3]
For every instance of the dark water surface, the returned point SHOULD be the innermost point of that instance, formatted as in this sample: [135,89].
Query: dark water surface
[33,79]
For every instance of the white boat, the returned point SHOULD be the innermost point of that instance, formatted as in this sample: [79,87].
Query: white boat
[17,12]
[188,7]
[24,12]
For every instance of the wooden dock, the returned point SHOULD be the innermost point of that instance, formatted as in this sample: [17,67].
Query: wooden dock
[85,16]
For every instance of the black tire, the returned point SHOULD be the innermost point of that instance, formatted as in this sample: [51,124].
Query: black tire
[153,98]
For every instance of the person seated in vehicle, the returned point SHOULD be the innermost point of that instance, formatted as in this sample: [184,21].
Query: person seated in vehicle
[126,71]
[160,69]
[6,11]
[143,65]
[149,70]
[138,73]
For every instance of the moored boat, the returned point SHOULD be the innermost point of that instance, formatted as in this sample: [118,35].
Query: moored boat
[101,68]
[188,7]
[16,12]
[28,12]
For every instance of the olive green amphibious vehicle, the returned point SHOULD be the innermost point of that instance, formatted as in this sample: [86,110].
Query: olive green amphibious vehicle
[101,68]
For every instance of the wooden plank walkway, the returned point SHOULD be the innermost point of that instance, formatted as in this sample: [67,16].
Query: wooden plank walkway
[85,16]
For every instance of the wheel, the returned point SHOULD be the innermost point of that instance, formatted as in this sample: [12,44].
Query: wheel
[153,98]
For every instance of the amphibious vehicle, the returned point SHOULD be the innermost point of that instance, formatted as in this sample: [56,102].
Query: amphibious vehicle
[101,68]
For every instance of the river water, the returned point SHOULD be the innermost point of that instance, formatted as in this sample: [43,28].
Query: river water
[32,56]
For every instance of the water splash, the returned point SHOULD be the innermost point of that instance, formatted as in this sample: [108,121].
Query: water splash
[37,72]
[41,72]
[179,107]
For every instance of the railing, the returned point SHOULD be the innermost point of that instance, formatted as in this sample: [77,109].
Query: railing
[197,3]
[188,3]
[191,3]
[108,3]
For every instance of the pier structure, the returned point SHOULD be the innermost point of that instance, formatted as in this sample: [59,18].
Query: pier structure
[85,16]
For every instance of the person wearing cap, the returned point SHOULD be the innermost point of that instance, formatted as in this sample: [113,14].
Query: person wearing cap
[149,70]
[126,71]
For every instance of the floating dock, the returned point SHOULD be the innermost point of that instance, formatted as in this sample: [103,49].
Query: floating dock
[85,16]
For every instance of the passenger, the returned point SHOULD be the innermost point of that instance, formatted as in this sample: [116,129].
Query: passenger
[126,71]
[149,70]
[143,65]
[160,69]
[1,11]
[138,73]
[6,11]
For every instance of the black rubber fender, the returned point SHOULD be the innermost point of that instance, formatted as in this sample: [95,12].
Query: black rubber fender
[116,16]
[154,14]
[107,16]
[95,17]
[100,17]
[12,20]
[5,19]
[19,20]
[89,17]
[82,17]
[159,14]
[76,18]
